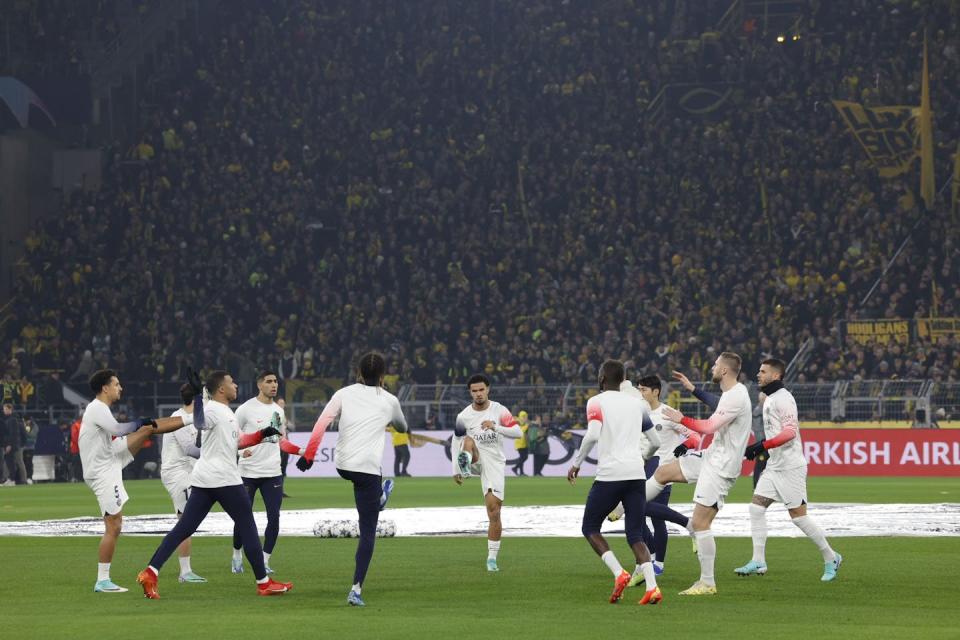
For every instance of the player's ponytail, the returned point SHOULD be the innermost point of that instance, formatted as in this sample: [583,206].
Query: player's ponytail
[371,369]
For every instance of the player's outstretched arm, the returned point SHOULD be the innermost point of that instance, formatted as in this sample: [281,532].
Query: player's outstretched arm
[718,420]
[327,416]
[255,438]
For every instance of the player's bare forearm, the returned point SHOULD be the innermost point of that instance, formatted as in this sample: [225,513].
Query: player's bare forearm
[166,425]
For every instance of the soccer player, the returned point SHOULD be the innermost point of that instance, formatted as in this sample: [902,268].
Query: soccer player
[785,478]
[673,438]
[730,424]
[177,459]
[260,464]
[477,448]
[685,467]
[617,421]
[365,410]
[216,479]
[106,447]
[656,509]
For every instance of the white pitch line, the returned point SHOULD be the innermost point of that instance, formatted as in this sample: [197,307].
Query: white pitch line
[837,520]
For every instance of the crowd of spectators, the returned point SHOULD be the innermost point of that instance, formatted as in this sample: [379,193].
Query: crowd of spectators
[478,186]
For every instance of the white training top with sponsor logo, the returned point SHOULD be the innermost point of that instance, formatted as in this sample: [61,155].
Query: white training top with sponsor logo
[252,416]
[489,441]
[217,466]
[97,454]
[622,444]
[672,434]
[779,412]
[725,454]
[175,464]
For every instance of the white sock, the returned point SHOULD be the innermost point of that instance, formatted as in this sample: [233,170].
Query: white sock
[658,564]
[653,488]
[612,563]
[356,588]
[185,566]
[238,554]
[103,571]
[707,553]
[266,558]
[816,534]
[156,571]
[263,580]
[493,548]
[758,530]
[649,575]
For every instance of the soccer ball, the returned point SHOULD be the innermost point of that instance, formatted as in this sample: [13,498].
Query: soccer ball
[351,529]
[386,529]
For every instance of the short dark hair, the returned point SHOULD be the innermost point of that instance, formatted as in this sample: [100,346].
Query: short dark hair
[777,365]
[371,368]
[733,361]
[478,378]
[651,382]
[266,372]
[100,379]
[613,372]
[215,379]
[186,394]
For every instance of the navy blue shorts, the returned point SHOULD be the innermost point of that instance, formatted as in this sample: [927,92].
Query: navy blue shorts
[605,496]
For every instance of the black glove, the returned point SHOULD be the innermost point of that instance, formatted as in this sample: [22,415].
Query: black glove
[266,432]
[193,379]
[303,464]
[681,450]
[148,422]
[754,450]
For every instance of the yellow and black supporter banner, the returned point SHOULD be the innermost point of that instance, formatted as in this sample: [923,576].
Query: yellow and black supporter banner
[889,135]
[933,328]
[877,331]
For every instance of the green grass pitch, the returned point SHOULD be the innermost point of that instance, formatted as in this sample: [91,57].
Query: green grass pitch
[428,588]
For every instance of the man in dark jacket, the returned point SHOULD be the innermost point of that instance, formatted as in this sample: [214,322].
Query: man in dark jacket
[15,440]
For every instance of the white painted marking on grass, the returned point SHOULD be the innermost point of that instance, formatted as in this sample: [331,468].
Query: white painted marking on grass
[558,521]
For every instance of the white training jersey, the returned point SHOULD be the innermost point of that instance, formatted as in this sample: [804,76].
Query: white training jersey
[252,416]
[622,443]
[175,464]
[489,441]
[365,412]
[217,466]
[97,453]
[779,412]
[725,453]
[672,434]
